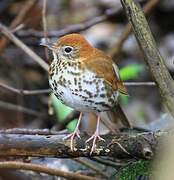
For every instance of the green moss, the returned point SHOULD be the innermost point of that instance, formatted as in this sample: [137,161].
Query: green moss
[134,169]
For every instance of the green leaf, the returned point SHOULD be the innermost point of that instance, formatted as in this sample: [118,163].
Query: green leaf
[123,99]
[131,71]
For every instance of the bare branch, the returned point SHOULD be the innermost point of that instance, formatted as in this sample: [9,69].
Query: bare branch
[152,55]
[46,91]
[71,28]
[128,29]
[123,145]
[44,23]
[31,131]
[73,115]
[91,166]
[24,92]
[44,169]
[19,18]
[139,84]
[14,107]
[24,47]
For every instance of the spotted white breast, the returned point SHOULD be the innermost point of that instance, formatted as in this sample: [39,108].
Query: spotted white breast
[79,88]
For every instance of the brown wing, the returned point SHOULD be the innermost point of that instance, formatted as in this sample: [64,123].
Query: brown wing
[102,65]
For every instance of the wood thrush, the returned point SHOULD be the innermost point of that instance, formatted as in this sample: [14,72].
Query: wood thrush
[84,78]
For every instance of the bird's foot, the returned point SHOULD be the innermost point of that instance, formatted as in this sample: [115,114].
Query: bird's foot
[72,137]
[75,133]
[94,137]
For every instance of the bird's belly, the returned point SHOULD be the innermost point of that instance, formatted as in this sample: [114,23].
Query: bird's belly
[84,93]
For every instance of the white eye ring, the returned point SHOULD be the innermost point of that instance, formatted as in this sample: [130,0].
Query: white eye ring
[68,49]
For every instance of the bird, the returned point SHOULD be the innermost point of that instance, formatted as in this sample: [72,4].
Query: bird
[86,79]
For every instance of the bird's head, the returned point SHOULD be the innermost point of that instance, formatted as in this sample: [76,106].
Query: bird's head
[71,47]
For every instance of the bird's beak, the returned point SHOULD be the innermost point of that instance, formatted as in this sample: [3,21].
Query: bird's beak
[46,43]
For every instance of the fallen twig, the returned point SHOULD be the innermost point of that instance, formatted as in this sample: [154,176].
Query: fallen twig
[89,165]
[43,169]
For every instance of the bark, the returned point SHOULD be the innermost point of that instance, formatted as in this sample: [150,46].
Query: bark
[123,145]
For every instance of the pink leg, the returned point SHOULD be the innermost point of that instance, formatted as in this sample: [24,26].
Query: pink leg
[95,136]
[75,133]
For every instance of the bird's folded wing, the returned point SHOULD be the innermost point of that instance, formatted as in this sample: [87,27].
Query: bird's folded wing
[105,68]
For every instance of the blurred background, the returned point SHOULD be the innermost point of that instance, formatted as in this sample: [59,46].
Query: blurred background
[103,23]
[143,107]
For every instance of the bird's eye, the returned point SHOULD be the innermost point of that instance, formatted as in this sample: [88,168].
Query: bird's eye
[68,49]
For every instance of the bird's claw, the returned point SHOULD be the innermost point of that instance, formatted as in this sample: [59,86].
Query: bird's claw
[95,136]
[72,136]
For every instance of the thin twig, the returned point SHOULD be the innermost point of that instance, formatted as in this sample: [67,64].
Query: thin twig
[18,20]
[71,28]
[14,107]
[24,47]
[17,28]
[91,166]
[24,92]
[31,131]
[44,23]
[61,125]
[152,55]
[115,51]
[46,91]
[108,162]
[43,169]
[139,84]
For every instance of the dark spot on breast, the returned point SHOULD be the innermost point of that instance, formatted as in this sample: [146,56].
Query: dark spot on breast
[105,105]
[69,82]
[75,81]
[111,101]
[102,89]
[90,101]
[102,95]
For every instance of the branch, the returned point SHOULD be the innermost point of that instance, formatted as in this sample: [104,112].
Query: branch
[31,131]
[24,92]
[139,84]
[123,145]
[19,18]
[91,166]
[128,29]
[153,57]
[62,125]
[44,24]
[46,91]
[14,107]
[44,169]
[24,47]
[71,28]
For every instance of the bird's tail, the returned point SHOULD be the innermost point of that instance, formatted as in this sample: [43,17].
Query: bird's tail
[117,115]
